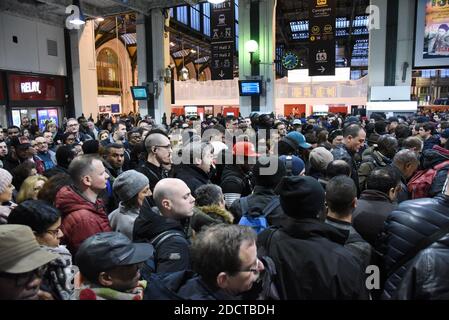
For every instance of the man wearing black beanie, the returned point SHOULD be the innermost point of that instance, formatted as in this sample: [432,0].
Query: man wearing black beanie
[268,172]
[310,259]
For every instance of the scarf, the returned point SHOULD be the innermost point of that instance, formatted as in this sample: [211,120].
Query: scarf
[91,292]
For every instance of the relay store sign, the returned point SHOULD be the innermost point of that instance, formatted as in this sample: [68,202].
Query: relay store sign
[35,88]
[30,87]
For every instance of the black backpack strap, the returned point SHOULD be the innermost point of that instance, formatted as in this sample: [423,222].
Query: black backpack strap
[271,206]
[160,238]
[424,243]
[244,205]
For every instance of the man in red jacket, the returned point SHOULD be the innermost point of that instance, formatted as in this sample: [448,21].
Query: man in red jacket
[83,214]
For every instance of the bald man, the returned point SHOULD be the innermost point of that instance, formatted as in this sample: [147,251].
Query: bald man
[166,225]
[159,152]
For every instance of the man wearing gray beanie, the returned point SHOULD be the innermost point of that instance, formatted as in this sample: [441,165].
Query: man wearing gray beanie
[326,269]
[131,188]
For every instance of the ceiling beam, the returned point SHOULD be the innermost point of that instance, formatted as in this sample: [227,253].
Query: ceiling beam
[28,11]
[87,9]
[141,6]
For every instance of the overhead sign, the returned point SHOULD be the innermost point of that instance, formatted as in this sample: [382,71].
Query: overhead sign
[223,38]
[322,38]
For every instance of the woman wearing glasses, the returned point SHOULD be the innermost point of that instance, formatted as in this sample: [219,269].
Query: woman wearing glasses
[45,221]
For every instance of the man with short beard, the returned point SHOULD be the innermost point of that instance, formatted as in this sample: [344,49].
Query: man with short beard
[83,212]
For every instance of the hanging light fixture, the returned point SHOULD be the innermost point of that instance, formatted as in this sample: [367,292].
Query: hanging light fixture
[215,1]
[184,74]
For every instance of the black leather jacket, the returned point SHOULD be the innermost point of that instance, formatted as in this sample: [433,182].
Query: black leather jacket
[425,276]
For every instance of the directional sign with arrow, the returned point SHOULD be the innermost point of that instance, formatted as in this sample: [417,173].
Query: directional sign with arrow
[222,44]
[322,37]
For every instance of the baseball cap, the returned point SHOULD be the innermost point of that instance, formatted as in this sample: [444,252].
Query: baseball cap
[19,250]
[320,157]
[299,139]
[107,250]
[244,148]
[297,121]
[20,142]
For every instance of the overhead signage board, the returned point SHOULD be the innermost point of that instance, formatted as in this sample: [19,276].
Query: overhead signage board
[432,34]
[322,37]
[223,39]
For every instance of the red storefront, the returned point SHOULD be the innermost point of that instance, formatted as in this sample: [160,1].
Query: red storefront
[39,97]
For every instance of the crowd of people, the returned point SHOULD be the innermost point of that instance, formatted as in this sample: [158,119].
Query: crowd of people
[226,208]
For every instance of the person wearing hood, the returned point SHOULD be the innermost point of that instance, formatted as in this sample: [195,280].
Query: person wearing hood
[210,208]
[166,226]
[131,187]
[378,156]
[437,156]
[45,221]
[83,213]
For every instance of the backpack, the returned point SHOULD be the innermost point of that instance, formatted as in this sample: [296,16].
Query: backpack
[419,185]
[149,267]
[260,222]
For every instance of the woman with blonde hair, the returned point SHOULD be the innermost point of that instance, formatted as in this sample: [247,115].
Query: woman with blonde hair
[30,188]
[103,135]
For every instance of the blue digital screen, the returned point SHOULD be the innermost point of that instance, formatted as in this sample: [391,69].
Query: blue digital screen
[250,88]
[139,93]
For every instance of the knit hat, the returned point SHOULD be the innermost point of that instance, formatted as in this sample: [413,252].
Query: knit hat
[293,165]
[5,180]
[320,157]
[268,171]
[129,183]
[299,139]
[301,196]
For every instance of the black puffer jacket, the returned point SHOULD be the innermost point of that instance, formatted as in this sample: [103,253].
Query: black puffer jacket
[172,254]
[311,262]
[425,276]
[193,176]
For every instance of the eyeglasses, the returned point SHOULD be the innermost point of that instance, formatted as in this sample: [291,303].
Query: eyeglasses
[22,279]
[254,269]
[73,125]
